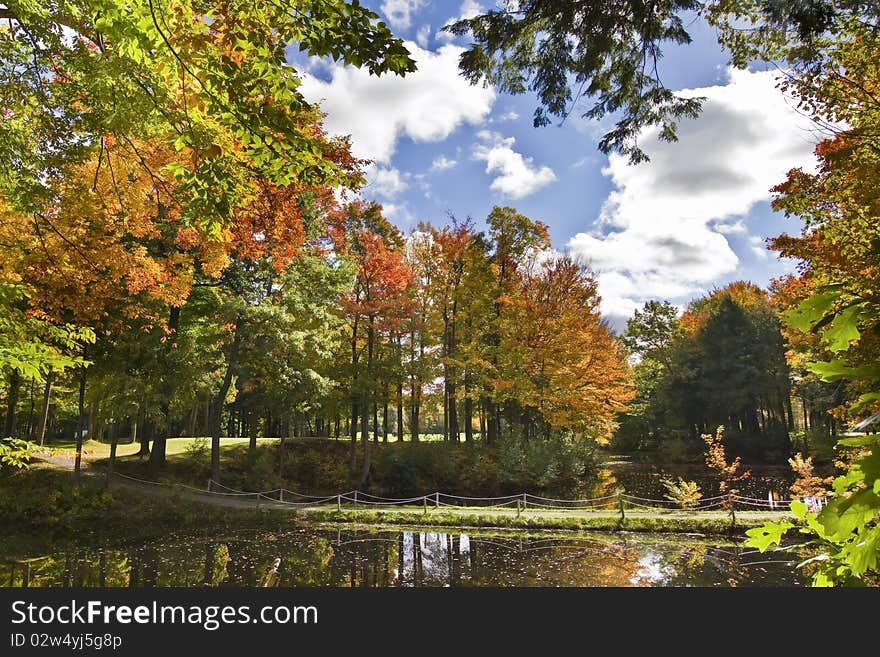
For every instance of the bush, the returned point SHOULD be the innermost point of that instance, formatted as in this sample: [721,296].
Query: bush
[556,465]
[686,493]
[197,457]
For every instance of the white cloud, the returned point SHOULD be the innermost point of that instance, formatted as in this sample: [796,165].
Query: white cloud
[422,35]
[426,106]
[387,183]
[727,227]
[468,9]
[399,12]
[661,231]
[399,213]
[580,162]
[510,115]
[442,163]
[758,248]
[516,176]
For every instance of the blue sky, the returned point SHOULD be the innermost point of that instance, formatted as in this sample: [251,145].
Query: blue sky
[694,218]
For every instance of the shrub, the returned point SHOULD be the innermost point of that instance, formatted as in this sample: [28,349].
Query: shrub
[686,493]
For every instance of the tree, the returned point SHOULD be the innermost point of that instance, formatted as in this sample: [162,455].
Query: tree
[837,308]
[728,472]
[722,362]
[651,337]
[560,367]
[209,81]
[516,240]
[565,52]
[651,331]
[610,54]
[376,305]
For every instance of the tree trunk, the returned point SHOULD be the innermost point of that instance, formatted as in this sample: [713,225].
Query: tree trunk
[453,413]
[492,423]
[385,419]
[144,451]
[414,415]
[114,440]
[400,410]
[44,410]
[80,423]
[30,421]
[354,393]
[468,418]
[12,403]
[157,454]
[220,399]
[413,392]
[375,422]
[365,435]
[92,425]
[253,422]
[365,441]
[353,427]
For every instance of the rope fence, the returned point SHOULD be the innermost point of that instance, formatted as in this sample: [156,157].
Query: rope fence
[521,502]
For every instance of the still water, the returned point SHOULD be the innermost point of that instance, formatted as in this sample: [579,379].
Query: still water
[330,557]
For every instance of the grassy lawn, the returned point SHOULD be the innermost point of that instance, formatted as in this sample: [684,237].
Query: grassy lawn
[94,450]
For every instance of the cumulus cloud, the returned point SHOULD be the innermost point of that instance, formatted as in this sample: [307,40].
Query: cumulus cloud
[399,12]
[661,231]
[387,183]
[422,35]
[758,248]
[515,175]
[442,163]
[399,213]
[468,9]
[426,106]
[728,227]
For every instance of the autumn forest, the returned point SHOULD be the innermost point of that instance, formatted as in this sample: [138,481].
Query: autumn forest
[185,252]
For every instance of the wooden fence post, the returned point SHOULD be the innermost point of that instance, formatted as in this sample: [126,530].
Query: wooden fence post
[730,503]
[620,505]
[525,502]
[339,502]
[425,503]
[436,500]
[518,507]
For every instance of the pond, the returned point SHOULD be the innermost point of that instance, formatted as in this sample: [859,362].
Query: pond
[392,558]
[645,479]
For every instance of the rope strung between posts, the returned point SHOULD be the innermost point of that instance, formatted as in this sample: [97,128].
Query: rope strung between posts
[521,501]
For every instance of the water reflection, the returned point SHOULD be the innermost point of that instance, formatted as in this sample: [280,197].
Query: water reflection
[393,558]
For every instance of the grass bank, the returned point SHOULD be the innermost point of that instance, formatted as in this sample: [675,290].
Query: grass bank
[695,524]
[45,498]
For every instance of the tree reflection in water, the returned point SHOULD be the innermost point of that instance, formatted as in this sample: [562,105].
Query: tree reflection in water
[392,558]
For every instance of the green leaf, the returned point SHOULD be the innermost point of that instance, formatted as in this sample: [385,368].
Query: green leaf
[864,401]
[844,330]
[842,516]
[810,310]
[837,369]
[860,441]
[767,535]
[821,580]
[863,554]
[798,510]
